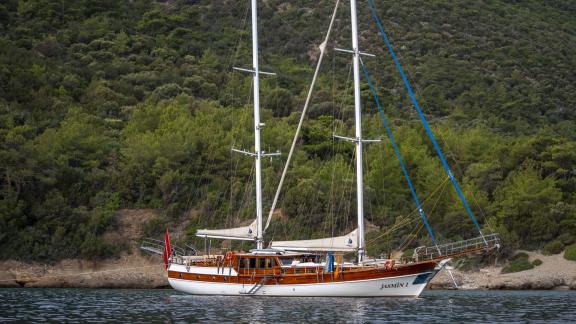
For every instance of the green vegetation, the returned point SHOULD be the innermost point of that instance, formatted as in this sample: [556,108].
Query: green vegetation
[519,262]
[570,253]
[553,247]
[107,105]
[519,256]
[471,263]
[537,262]
[566,239]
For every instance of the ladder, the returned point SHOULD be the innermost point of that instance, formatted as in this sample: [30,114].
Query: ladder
[256,287]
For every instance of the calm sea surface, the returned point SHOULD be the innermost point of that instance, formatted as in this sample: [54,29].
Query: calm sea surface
[132,306]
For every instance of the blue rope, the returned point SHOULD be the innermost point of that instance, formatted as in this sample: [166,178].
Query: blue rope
[424,121]
[397,151]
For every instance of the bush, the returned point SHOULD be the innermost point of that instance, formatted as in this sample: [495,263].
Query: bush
[570,253]
[553,247]
[518,262]
[566,239]
[280,101]
[155,227]
[519,256]
[537,262]
[471,263]
[517,266]
[94,248]
[166,91]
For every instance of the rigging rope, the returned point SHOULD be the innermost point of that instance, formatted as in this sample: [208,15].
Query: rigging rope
[422,117]
[405,220]
[398,155]
[410,238]
[296,136]
[401,223]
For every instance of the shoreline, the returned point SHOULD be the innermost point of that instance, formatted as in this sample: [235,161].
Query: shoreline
[137,271]
[128,271]
[555,272]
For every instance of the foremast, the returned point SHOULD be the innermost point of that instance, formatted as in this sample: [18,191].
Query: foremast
[246,233]
[358,135]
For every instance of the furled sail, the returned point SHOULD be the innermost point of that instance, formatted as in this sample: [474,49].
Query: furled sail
[244,233]
[348,242]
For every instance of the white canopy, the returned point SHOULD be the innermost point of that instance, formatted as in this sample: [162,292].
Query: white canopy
[343,243]
[244,233]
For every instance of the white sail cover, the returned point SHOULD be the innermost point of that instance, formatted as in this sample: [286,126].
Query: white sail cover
[348,242]
[244,233]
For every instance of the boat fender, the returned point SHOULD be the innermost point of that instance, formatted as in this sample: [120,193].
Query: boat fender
[229,256]
[389,264]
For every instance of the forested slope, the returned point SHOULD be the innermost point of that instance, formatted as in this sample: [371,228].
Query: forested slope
[112,104]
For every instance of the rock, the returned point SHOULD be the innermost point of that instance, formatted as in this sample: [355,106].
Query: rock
[9,284]
[544,284]
[131,271]
[8,279]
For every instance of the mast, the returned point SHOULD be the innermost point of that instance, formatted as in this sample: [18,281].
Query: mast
[257,126]
[358,139]
[258,154]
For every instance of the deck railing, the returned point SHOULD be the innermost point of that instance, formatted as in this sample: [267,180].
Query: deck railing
[475,245]
[157,247]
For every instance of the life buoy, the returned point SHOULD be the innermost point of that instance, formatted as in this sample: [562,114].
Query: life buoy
[229,255]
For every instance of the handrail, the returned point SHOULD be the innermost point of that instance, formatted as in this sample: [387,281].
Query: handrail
[484,243]
[157,247]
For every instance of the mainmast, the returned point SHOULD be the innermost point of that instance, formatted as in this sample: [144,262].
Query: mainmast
[257,125]
[358,139]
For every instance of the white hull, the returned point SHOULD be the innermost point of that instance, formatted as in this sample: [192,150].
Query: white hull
[384,287]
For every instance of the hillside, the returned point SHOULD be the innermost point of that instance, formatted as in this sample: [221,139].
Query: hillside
[112,104]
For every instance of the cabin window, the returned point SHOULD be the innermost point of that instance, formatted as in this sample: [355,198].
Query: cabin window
[270,263]
[252,263]
[244,263]
[262,263]
[286,261]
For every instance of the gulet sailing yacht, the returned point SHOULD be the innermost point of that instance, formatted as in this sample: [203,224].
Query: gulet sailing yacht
[308,267]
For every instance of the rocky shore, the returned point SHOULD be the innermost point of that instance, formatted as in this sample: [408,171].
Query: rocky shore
[132,269]
[555,272]
[137,270]
[129,271]
[147,272]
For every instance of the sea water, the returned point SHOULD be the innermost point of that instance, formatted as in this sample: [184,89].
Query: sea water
[140,306]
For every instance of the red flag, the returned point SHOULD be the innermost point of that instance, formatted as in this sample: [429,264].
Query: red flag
[167,250]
